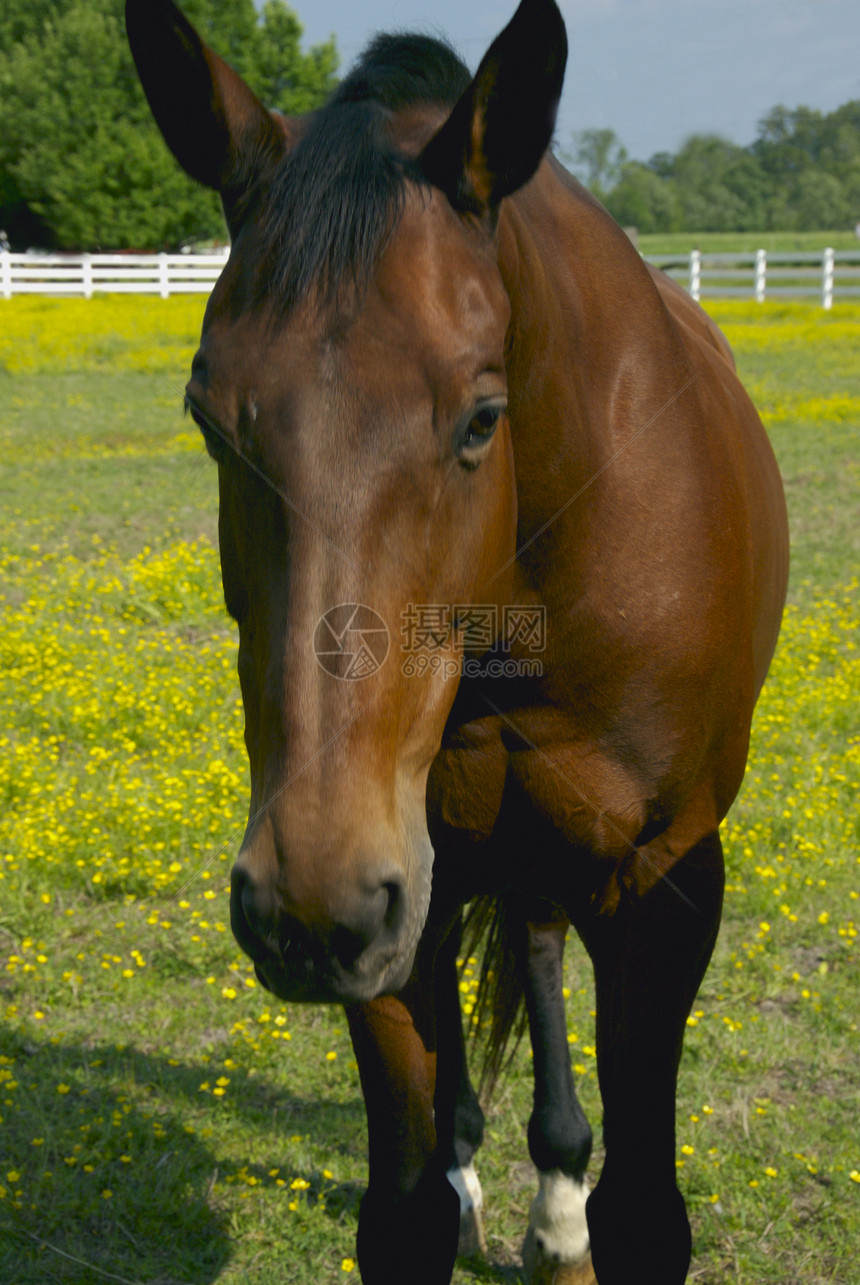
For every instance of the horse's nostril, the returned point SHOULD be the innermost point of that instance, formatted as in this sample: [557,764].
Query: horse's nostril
[374,918]
[348,943]
[395,911]
[253,916]
[249,908]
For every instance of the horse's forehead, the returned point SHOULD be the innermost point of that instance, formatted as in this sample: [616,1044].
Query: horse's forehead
[436,302]
[440,272]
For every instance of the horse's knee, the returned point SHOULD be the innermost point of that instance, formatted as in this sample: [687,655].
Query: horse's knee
[410,1237]
[640,1233]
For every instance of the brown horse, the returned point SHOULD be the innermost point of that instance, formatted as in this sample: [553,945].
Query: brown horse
[474,453]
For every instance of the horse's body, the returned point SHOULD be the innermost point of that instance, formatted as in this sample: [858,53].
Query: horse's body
[476,395]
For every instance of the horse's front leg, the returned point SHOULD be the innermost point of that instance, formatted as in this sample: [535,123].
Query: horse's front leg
[459,1118]
[556,1246]
[650,954]
[409,1221]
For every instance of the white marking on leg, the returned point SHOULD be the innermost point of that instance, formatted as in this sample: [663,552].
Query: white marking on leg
[557,1217]
[464,1180]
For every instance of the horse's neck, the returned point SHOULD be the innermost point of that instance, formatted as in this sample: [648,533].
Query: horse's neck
[592,348]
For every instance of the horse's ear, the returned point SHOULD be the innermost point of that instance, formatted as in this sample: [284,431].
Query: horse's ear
[216,127]
[495,137]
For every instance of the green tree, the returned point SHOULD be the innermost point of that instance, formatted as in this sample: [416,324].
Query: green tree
[644,200]
[282,76]
[82,164]
[802,172]
[719,185]
[19,20]
[598,158]
[811,161]
[815,200]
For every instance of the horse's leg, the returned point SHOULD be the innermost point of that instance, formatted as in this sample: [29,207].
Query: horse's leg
[556,1246]
[462,1119]
[649,956]
[409,1220]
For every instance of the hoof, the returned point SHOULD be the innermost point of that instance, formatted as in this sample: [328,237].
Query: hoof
[540,1270]
[472,1239]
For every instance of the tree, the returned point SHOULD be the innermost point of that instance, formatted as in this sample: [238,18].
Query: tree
[816,200]
[82,164]
[719,185]
[19,20]
[598,157]
[812,164]
[644,200]
[282,76]
[802,172]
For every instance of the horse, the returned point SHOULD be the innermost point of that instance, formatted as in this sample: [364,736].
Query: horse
[506,545]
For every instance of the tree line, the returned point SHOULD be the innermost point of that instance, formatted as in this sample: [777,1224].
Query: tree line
[802,173]
[82,164]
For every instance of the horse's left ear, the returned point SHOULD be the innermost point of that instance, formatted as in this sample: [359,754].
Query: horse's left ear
[495,137]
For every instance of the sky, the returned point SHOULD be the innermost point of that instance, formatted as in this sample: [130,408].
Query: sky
[654,71]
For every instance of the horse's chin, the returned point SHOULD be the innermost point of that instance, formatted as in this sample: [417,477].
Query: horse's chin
[308,986]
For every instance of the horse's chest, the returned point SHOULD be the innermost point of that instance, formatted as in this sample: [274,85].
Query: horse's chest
[489,788]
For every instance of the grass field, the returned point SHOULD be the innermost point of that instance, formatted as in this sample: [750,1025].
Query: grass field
[163,1120]
[745,242]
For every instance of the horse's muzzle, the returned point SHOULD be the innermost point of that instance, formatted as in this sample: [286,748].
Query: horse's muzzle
[359,953]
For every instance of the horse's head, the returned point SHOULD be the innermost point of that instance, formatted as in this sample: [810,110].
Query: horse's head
[350,383]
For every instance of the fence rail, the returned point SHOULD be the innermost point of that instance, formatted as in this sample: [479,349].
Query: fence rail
[82,274]
[827,275]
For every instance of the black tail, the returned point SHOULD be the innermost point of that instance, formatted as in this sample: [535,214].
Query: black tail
[499,1008]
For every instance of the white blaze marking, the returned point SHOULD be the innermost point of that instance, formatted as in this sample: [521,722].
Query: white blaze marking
[557,1217]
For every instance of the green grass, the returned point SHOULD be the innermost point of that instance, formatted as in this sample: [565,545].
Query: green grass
[163,1119]
[745,242]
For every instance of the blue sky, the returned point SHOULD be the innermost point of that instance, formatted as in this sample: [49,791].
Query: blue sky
[652,70]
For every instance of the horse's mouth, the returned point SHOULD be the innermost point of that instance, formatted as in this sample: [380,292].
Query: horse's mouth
[299,970]
[315,983]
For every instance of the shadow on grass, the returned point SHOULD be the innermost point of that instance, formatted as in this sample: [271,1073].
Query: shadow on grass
[103,1175]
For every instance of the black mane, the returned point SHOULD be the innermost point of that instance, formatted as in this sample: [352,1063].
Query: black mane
[338,194]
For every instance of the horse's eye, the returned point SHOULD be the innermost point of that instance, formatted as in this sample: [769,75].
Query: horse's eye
[484,422]
[216,443]
[476,434]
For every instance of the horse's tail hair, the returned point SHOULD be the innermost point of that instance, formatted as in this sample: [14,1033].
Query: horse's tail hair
[498,1015]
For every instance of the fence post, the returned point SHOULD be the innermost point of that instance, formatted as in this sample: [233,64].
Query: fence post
[827,278]
[87,275]
[5,274]
[760,274]
[163,279]
[696,274]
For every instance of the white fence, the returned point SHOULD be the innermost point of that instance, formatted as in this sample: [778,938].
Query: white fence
[759,275]
[82,274]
